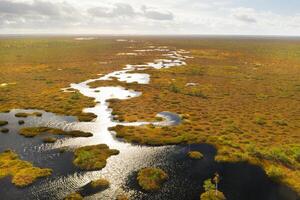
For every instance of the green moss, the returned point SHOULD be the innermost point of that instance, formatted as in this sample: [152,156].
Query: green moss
[74,196]
[23,172]
[3,123]
[93,157]
[195,155]
[34,131]
[150,179]
[24,115]
[100,183]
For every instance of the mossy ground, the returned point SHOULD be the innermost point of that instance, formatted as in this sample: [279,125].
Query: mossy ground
[93,157]
[34,131]
[151,179]
[23,173]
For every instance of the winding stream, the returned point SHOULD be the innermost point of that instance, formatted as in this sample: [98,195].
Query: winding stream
[186,176]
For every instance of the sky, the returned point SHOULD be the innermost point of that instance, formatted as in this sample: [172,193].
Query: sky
[155,17]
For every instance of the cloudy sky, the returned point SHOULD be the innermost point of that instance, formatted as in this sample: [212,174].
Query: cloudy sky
[244,17]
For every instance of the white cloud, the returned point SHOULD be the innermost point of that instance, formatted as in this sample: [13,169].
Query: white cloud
[245,14]
[140,17]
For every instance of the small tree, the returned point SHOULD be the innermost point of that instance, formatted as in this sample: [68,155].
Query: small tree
[216,179]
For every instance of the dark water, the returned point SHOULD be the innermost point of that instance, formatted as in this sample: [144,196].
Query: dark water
[239,181]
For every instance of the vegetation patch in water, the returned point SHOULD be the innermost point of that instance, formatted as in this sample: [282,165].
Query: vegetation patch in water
[73,196]
[100,184]
[195,155]
[24,115]
[23,173]
[122,197]
[21,122]
[49,139]
[4,130]
[34,131]
[3,123]
[151,179]
[211,193]
[93,157]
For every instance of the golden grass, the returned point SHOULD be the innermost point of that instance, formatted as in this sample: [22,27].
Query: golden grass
[93,157]
[150,179]
[23,173]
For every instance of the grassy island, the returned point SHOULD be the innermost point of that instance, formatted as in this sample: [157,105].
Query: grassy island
[151,179]
[34,131]
[195,155]
[93,157]
[100,183]
[3,123]
[23,173]
[24,115]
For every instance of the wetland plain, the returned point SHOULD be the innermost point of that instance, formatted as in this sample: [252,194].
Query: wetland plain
[143,115]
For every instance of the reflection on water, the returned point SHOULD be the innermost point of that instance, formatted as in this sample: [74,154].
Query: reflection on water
[186,176]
